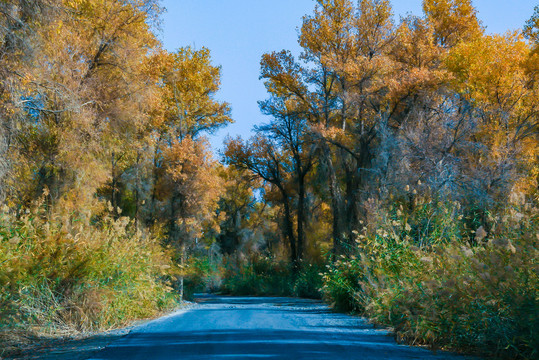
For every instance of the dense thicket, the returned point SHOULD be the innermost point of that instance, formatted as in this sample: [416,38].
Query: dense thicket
[408,154]
[106,177]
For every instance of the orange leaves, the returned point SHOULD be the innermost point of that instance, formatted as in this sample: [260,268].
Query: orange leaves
[374,27]
[415,45]
[186,177]
[416,58]
[182,159]
[330,133]
[493,72]
[187,157]
[191,182]
[191,72]
[237,150]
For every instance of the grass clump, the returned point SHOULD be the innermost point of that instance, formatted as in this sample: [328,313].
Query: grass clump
[63,274]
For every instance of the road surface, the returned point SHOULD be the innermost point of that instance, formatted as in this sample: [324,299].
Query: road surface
[260,328]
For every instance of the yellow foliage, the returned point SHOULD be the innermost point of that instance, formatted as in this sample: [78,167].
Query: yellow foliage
[452,20]
[489,68]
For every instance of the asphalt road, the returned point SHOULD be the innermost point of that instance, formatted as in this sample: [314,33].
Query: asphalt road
[252,328]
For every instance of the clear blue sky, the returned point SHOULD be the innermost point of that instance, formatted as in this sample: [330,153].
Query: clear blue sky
[238,32]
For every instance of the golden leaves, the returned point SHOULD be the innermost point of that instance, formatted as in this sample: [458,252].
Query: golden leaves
[188,83]
[191,181]
[329,29]
[283,76]
[489,68]
[452,20]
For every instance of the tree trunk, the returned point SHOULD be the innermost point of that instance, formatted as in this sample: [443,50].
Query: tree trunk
[114,201]
[336,200]
[289,229]
[301,217]
[137,192]
[351,203]
[182,263]
[172,228]
[155,176]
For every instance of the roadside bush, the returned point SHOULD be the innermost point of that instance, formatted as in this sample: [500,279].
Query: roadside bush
[308,282]
[59,273]
[266,276]
[479,297]
[341,285]
[259,275]
[203,274]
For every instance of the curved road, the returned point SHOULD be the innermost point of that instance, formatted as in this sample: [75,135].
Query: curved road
[267,328]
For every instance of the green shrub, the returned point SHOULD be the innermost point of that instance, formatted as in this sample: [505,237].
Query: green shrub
[308,282]
[266,276]
[203,274]
[258,275]
[341,285]
[479,297]
[60,274]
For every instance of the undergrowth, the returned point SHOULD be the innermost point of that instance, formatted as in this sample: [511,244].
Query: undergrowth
[203,275]
[475,294]
[267,276]
[60,274]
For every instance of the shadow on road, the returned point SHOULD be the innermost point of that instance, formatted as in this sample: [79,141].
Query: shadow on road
[46,348]
[263,344]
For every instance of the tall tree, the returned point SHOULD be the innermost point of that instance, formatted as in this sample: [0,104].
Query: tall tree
[185,179]
[80,98]
[265,159]
[289,128]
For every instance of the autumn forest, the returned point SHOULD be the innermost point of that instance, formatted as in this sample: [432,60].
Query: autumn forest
[396,177]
